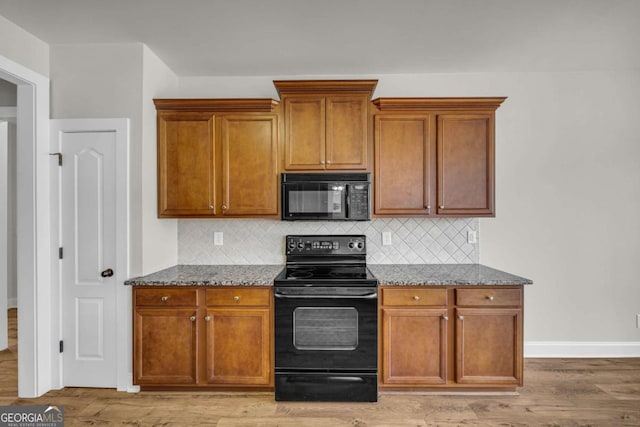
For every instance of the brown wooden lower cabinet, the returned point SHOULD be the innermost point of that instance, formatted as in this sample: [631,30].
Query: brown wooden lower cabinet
[451,337]
[238,346]
[187,337]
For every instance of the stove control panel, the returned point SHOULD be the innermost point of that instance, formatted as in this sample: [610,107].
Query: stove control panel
[325,245]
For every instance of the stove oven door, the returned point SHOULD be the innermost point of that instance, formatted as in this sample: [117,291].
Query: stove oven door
[326,329]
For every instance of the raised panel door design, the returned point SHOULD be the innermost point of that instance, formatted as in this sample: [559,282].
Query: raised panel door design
[403,164]
[465,164]
[186,164]
[304,144]
[238,346]
[414,346]
[346,133]
[165,347]
[489,346]
[88,229]
[249,165]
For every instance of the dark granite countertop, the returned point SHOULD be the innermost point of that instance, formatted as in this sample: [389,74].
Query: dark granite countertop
[443,274]
[210,275]
[387,274]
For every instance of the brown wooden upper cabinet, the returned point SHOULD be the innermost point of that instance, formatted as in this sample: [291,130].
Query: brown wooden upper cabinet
[217,157]
[325,124]
[434,156]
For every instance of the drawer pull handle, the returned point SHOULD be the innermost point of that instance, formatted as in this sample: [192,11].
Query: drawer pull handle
[164,298]
[193,318]
[207,318]
[236,298]
[445,317]
[490,297]
[460,317]
[416,298]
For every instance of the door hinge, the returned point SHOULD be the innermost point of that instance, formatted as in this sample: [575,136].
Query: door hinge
[59,157]
[60,253]
[61,346]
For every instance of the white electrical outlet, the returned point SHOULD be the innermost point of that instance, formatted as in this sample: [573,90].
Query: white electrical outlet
[386,238]
[218,238]
[472,236]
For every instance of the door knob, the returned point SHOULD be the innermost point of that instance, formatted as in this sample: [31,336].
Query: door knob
[107,273]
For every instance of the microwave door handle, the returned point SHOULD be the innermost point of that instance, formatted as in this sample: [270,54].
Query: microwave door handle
[347,213]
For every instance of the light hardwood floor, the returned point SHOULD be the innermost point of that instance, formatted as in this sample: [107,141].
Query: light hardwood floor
[557,392]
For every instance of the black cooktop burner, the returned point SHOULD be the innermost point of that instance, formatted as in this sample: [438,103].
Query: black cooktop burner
[326,260]
[324,274]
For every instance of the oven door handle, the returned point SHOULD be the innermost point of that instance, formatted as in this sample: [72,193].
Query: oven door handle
[372,295]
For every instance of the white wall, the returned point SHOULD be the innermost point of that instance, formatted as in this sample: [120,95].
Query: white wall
[568,173]
[12,236]
[104,81]
[23,47]
[8,94]
[9,98]
[159,236]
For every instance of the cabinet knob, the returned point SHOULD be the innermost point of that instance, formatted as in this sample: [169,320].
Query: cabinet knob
[445,317]
[441,206]
[164,298]
[211,207]
[322,162]
[328,162]
[490,297]
[460,317]
[428,207]
[207,318]
[236,298]
[416,298]
[224,207]
[193,318]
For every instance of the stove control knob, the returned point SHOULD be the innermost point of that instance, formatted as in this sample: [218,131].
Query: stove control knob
[352,245]
[360,245]
[292,245]
[301,245]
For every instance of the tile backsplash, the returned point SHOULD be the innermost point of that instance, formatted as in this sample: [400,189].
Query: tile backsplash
[256,241]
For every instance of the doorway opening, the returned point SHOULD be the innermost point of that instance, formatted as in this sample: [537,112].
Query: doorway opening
[33,229]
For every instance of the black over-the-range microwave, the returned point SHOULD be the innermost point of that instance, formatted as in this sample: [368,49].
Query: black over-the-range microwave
[326,196]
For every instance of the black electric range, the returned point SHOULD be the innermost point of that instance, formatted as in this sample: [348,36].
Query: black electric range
[326,321]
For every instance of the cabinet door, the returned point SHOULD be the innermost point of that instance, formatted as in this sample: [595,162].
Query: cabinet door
[186,164]
[404,164]
[466,165]
[414,346]
[489,346]
[165,346]
[249,164]
[238,346]
[346,132]
[304,145]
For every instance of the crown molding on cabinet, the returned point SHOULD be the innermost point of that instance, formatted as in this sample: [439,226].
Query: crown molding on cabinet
[263,105]
[328,87]
[409,104]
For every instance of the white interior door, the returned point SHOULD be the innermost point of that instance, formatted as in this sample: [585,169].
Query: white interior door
[4,232]
[88,238]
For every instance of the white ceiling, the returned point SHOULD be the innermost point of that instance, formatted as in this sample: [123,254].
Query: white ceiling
[324,37]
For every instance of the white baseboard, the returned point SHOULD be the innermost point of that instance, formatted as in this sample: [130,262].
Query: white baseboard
[581,349]
[12,303]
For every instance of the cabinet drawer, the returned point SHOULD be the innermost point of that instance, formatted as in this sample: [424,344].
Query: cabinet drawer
[414,297]
[488,297]
[237,297]
[166,297]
